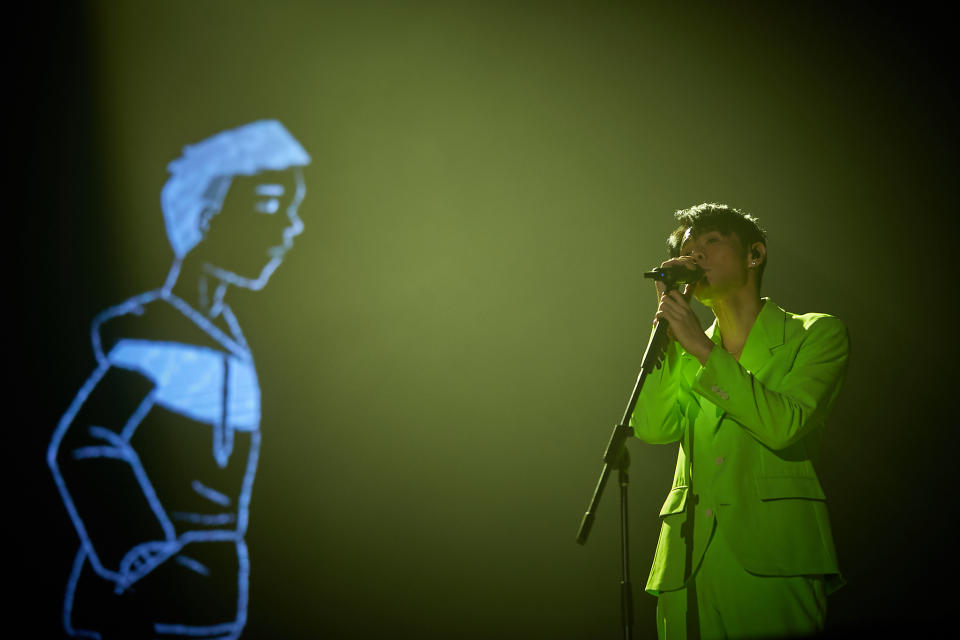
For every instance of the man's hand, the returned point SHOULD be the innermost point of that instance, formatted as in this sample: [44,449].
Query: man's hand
[684,324]
[686,261]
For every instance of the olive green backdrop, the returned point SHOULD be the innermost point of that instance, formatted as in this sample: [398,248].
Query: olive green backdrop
[444,352]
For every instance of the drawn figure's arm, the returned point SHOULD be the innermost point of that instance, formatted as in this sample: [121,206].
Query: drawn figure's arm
[121,523]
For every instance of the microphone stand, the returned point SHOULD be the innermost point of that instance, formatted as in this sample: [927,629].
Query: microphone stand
[616,456]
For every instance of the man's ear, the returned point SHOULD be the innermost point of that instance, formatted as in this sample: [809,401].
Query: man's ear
[758,253]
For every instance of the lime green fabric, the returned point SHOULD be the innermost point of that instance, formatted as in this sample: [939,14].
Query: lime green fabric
[726,601]
[749,434]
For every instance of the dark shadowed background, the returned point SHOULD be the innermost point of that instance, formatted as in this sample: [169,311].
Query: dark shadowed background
[445,350]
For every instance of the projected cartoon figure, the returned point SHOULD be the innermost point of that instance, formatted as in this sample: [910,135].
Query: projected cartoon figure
[155,457]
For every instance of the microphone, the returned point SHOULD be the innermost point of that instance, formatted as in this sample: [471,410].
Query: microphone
[677,274]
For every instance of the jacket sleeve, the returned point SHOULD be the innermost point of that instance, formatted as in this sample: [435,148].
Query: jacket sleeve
[782,413]
[98,472]
[657,418]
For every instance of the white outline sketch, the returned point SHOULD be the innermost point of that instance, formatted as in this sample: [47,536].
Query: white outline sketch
[211,386]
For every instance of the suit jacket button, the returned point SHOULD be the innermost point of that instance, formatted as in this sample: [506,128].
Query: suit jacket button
[719,460]
[709,513]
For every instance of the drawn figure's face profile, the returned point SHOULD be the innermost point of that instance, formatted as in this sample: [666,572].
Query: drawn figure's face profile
[254,228]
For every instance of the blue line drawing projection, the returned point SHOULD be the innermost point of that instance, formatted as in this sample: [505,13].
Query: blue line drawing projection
[156,455]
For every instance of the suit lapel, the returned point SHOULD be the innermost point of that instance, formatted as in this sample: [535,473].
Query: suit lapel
[765,337]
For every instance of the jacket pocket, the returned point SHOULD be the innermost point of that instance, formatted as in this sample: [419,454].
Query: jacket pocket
[777,488]
[676,501]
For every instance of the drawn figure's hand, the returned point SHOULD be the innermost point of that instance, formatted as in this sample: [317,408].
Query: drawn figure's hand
[142,559]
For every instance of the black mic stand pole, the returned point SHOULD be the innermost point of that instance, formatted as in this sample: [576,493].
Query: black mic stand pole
[616,456]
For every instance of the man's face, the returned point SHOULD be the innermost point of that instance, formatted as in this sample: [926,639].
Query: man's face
[255,226]
[722,257]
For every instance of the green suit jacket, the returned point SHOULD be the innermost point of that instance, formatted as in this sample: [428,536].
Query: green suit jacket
[749,433]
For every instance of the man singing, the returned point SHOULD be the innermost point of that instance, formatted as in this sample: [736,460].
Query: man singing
[745,547]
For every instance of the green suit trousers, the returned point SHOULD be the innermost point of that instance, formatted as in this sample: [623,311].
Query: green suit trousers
[724,600]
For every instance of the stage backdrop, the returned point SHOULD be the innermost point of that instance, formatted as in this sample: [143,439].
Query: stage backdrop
[447,344]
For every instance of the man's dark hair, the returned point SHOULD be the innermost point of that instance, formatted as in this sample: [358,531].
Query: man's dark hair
[717,217]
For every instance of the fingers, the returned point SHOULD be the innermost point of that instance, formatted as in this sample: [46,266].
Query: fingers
[673,306]
[687,289]
[660,316]
[686,261]
[674,297]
